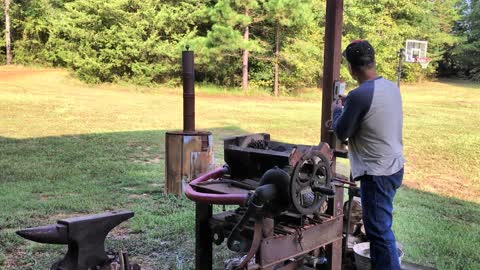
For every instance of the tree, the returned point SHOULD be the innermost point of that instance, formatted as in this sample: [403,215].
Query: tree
[8,39]
[266,44]
[31,28]
[246,36]
[387,24]
[286,15]
[108,41]
[226,48]
[467,53]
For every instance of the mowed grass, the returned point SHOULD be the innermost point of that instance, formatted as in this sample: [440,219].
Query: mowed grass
[68,149]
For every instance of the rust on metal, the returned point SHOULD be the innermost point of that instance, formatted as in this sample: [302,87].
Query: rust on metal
[259,171]
[85,237]
[278,249]
[257,239]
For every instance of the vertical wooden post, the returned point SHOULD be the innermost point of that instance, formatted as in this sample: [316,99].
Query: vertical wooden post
[331,73]
[332,60]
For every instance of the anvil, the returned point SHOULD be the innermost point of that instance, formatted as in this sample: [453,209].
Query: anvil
[85,237]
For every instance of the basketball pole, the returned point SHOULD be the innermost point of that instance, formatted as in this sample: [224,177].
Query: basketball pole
[400,63]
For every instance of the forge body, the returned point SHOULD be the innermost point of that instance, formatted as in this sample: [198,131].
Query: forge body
[290,212]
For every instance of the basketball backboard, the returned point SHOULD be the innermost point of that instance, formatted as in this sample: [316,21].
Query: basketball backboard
[415,50]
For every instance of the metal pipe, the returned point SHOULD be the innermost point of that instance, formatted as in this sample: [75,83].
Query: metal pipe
[401,53]
[188,76]
[210,198]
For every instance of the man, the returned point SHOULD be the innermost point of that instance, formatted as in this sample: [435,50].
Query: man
[372,121]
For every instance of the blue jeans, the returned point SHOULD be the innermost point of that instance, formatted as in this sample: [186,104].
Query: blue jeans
[377,205]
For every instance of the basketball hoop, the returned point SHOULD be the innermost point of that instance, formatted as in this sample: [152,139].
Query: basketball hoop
[423,61]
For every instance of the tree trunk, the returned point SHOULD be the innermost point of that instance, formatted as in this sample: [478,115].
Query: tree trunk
[246,35]
[277,52]
[7,32]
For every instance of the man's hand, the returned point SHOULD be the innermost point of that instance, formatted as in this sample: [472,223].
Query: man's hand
[337,104]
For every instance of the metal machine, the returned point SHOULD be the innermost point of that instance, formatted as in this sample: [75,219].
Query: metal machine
[290,210]
[290,213]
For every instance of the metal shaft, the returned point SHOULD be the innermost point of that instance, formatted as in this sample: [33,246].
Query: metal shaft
[188,76]
[399,68]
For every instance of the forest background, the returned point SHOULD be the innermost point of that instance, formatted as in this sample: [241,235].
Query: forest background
[273,45]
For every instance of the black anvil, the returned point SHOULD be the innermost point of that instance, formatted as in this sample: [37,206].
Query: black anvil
[85,237]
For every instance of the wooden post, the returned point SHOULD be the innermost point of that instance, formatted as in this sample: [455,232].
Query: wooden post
[331,73]
[332,60]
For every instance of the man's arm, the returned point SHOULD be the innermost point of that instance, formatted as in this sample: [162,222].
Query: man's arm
[347,121]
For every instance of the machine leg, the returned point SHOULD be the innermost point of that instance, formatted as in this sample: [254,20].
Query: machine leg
[334,255]
[203,237]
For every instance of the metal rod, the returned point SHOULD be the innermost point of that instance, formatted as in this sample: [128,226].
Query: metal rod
[188,75]
[349,217]
[400,63]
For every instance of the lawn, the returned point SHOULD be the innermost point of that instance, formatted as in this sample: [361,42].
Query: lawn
[67,148]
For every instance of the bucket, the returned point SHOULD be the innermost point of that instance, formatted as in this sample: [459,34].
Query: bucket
[362,255]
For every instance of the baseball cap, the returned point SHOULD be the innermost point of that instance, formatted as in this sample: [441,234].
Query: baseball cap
[359,53]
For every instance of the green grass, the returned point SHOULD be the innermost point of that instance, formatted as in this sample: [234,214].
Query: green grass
[67,148]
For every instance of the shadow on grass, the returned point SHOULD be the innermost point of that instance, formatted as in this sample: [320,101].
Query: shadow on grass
[438,231]
[43,179]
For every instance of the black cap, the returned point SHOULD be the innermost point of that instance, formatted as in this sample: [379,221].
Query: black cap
[359,53]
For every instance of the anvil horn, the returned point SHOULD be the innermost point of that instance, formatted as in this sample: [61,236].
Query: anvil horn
[49,234]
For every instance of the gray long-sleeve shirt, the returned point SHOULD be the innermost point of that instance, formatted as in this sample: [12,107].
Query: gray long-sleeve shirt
[372,120]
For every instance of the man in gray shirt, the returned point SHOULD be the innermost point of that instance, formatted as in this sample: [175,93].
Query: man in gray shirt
[371,119]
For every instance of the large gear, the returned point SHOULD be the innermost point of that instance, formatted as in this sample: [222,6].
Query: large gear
[311,171]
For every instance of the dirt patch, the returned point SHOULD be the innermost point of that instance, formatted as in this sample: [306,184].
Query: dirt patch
[120,232]
[138,196]
[143,154]
[11,259]
[145,159]
[6,75]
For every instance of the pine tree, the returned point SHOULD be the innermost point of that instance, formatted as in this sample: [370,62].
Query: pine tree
[227,45]
[286,15]
[467,54]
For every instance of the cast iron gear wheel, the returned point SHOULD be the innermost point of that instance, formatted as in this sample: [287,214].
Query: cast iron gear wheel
[312,170]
